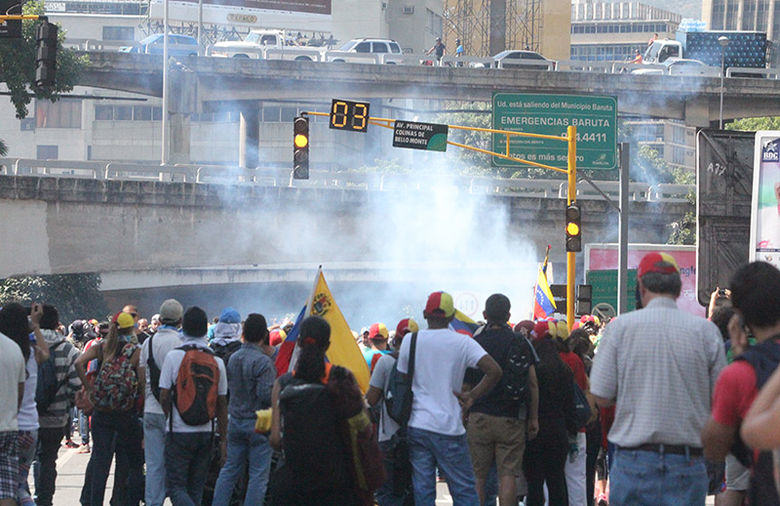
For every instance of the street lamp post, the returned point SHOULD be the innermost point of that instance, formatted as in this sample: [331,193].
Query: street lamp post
[164,137]
[723,41]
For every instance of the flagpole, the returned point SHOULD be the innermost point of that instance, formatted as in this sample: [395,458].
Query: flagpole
[310,300]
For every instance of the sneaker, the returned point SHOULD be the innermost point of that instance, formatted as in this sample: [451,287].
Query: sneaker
[70,444]
[84,448]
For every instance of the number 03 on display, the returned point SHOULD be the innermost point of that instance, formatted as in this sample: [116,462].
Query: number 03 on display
[347,115]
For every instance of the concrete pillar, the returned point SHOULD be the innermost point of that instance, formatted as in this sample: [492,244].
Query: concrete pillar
[697,112]
[249,135]
[179,138]
[497,26]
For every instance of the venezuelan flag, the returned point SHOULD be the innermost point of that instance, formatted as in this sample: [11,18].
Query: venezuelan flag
[544,303]
[462,324]
[285,355]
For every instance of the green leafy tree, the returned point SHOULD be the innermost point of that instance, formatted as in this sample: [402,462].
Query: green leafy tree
[753,124]
[74,295]
[17,65]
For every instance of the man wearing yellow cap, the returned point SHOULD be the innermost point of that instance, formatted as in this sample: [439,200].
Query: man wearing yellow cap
[658,365]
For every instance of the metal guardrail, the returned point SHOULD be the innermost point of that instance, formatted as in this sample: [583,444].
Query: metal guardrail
[768,73]
[465,61]
[276,177]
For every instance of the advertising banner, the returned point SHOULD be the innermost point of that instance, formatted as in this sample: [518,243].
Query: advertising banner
[765,216]
[604,257]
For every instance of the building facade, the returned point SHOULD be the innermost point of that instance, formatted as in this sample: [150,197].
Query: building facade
[614,31]
[748,15]
[674,142]
[487,27]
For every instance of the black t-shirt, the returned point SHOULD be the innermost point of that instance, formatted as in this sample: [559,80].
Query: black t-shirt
[497,342]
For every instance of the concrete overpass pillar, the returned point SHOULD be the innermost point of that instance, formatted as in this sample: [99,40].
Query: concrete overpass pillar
[249,135]
[179,138]
[697,112]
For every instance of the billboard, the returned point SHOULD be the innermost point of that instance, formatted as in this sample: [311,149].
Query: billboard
[765,216]
[604,257]
[724,175]
[308,6]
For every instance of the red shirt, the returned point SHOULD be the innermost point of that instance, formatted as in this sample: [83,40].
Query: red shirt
[577,367]
[734,392]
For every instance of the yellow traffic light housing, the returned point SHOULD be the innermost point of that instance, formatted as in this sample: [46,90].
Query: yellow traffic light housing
[573,228]
[301,148]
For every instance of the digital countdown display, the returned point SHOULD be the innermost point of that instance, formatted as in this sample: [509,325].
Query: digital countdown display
[348,115]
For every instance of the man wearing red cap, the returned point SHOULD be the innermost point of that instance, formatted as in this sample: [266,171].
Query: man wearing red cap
[435,430]
[659,366]
[377,338]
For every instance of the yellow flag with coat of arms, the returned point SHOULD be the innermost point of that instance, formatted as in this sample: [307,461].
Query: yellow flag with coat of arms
[343,350]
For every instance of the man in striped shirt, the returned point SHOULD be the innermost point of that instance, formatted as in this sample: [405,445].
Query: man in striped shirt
[54,419]
[658,365]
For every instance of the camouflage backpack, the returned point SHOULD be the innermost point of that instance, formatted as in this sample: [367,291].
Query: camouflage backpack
[116,385]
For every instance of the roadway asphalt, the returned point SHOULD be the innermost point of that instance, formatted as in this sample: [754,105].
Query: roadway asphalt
[71,466]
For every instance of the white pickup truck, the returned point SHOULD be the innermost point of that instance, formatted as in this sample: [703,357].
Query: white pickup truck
[267,45]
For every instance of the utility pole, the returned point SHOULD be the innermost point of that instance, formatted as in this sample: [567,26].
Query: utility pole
[164,136]
[622,275]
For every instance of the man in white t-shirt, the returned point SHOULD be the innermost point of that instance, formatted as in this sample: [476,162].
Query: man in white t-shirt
[166,338]
[435,430]
[188,448]
[12,376]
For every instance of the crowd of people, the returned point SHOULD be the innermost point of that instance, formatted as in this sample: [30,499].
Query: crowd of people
[642,410]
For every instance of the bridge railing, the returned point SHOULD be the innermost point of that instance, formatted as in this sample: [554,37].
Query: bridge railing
[329,180]
[768,73]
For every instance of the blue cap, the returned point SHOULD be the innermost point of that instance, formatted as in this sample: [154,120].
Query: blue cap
[229,315]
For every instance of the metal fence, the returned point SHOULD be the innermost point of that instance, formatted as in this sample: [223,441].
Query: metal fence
[332,180]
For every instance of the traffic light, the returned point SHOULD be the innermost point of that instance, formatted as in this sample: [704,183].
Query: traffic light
[10,29]
[301,148]
[573,228]
[46,58]
[584,300]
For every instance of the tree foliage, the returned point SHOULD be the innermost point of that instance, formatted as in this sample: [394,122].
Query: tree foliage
[17,65]
[74,295]
[753,124]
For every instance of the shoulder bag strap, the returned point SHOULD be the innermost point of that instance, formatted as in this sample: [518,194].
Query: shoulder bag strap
[412,352]
[150,358]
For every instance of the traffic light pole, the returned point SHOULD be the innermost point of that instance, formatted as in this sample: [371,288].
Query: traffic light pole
[571,271]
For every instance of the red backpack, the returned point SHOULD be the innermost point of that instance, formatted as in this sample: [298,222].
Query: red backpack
[196,388]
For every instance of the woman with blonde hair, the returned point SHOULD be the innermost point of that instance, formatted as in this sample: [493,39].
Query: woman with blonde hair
[115,395]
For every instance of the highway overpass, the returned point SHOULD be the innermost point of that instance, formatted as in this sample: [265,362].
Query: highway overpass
[207,83]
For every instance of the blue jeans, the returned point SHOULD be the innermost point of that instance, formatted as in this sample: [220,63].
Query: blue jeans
[83,427]
[154,448]
[451,453]
[27,441]
[187,459]
[244,447]
[649,478]
[120,432]
[386,495]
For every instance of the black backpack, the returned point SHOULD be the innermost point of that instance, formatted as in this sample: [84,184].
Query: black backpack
[515,377]
[47,387]
[154,371]
[314,453]
[225,351]
[514,380]
[399,396]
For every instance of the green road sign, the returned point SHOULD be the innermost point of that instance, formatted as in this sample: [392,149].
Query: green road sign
[594,116]
[604,285]
[415,135]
